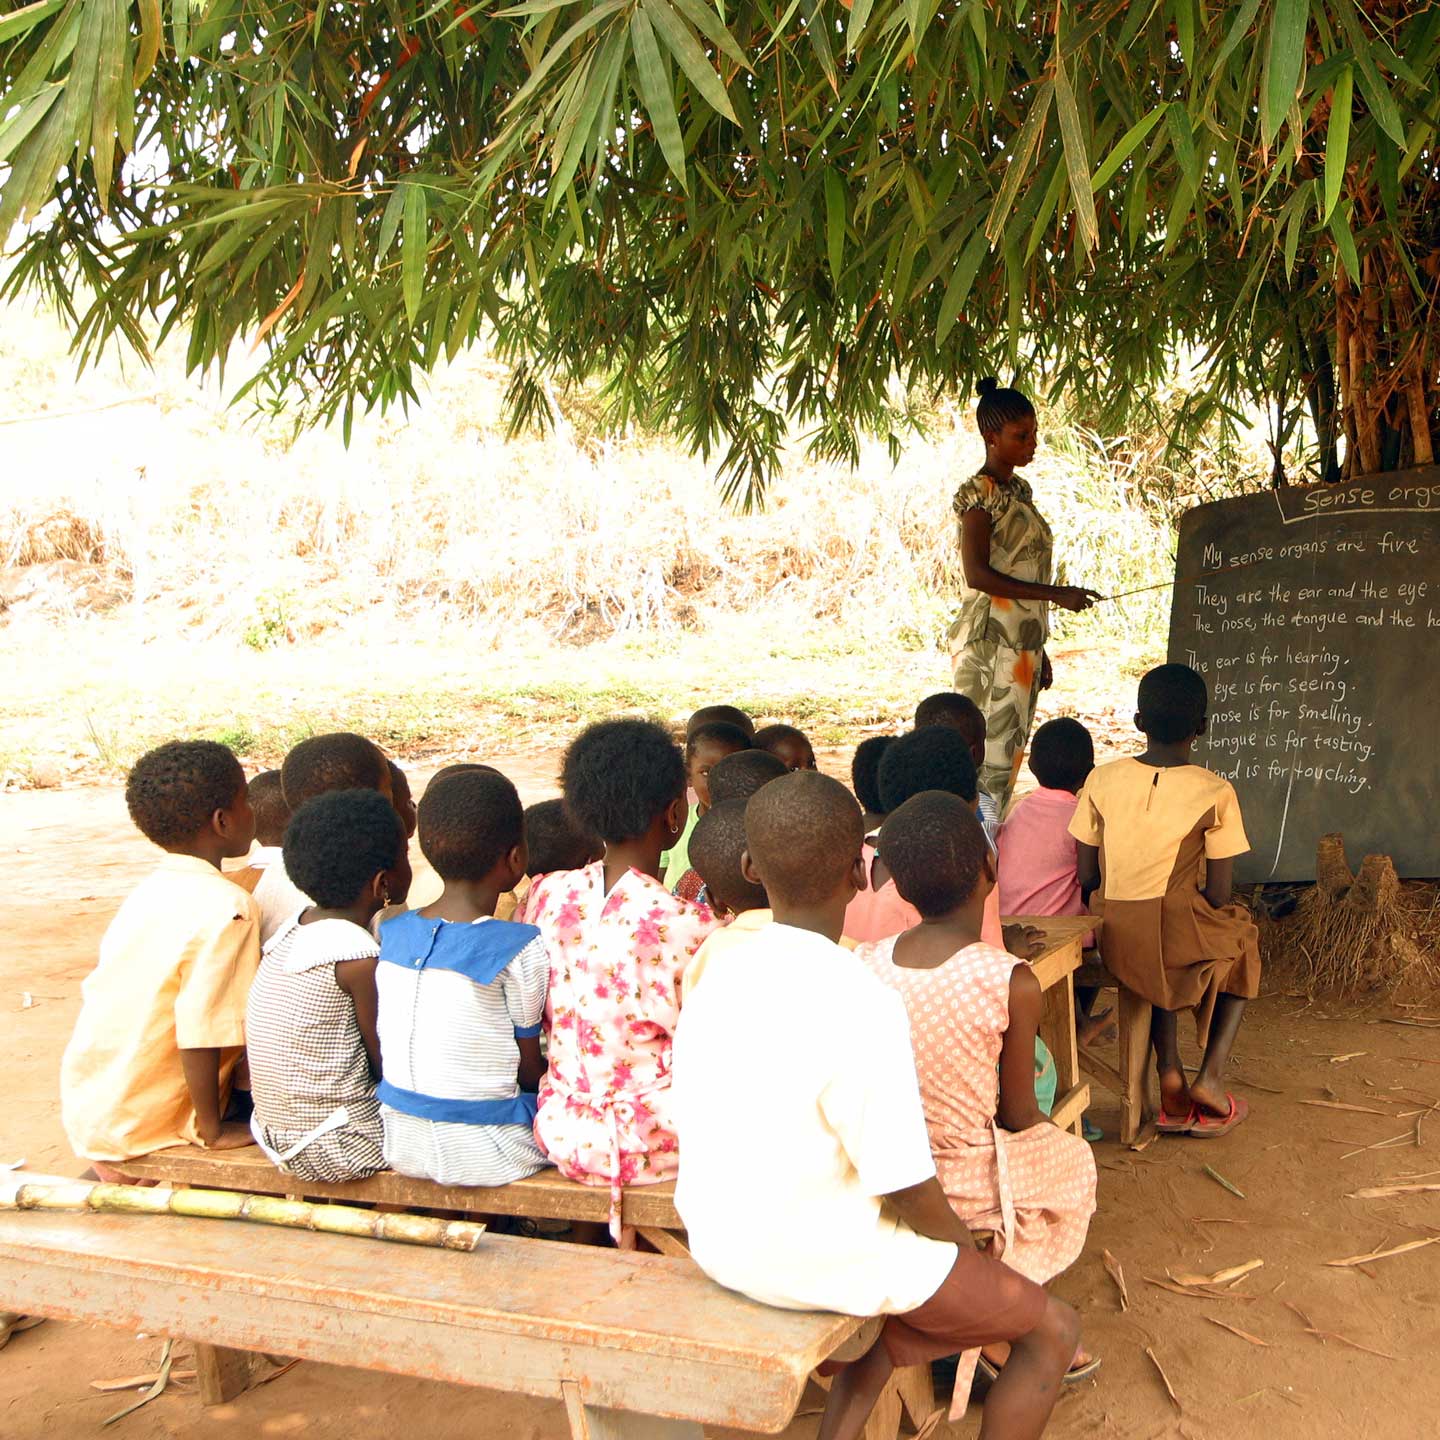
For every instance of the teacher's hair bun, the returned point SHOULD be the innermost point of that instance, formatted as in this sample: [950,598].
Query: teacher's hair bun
[988,386]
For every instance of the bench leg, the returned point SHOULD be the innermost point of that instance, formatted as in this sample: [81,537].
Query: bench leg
[590,1422]
[917,1393]
[222,1374]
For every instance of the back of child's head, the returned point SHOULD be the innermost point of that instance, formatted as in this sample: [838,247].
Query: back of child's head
[267,800]
[721,714]
[469,823]
[618,776]
[1000,406]
[739,776]
[342,761]
[935,848]
[555,842]
[960,712]
[1172,703]
[716,845]
[338,842]
[1062,754]
[719,735]
[173,791]
[935,758]
[865,772]
[803,833]
[790,744]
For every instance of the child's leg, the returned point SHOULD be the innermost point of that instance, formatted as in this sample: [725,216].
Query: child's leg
[1164,1037]
[853,1392]
[1020,1401]
[1208,1088]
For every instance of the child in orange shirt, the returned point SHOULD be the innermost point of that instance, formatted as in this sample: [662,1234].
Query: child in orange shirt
[162,1016]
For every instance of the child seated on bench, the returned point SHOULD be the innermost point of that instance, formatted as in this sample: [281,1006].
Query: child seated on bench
[619,942]
[313,1047]
[807,1182]
[316,766]
[788,744]
[717,848]
[162,1016]
[736,777]
[462,996]
[706,746]
[1035,852]
[1158,836]
[402,799]
[960,712]
[974,1013]
[865,779]
[552,842]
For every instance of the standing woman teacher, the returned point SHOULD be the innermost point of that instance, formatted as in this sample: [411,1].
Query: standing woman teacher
[997,643]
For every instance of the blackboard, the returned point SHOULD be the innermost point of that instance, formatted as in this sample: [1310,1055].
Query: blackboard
[1314,614]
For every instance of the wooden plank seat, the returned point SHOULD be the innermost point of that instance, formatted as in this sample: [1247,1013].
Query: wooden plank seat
[636,1345]
[546,1195]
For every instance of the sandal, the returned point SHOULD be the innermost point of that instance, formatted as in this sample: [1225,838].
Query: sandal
[1212,1127]
[1073,1376]
[1173,1125]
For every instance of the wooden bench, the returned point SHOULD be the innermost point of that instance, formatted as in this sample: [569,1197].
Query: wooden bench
[636,1346]
[545,1196]
[1130,1081]
[1055,967]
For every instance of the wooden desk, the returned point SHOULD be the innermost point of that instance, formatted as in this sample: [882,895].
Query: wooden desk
[1055,967]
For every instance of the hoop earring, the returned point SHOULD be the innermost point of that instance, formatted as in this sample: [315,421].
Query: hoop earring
[384,897]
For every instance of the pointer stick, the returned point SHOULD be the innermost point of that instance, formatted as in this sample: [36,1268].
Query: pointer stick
[1183,580]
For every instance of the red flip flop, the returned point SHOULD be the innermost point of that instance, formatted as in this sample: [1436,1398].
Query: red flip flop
[1212,1127]
[1170,1125]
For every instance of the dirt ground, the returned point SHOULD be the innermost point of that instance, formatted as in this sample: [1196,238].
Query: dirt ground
[71,855]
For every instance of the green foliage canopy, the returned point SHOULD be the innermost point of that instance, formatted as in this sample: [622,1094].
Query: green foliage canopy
[746,212]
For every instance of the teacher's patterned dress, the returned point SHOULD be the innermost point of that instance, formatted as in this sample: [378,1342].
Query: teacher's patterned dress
[997,646]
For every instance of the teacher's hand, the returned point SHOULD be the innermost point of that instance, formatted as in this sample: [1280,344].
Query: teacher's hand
[1047,672]
[1074,597]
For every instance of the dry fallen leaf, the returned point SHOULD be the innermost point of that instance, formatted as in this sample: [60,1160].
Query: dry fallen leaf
[1385,1254]
[1352,1055]
[1196,1292]
[1112,1265]
[133,1382]
[1169,1388]
[1383,1192]
[1341,1105]
[1243,1334]
[1144,1139]
[1220,1277]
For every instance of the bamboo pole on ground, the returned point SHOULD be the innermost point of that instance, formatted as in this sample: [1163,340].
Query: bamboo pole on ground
[20,1191]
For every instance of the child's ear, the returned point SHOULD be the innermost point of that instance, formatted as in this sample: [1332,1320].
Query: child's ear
[676,815]
[1201,727]
[859,878]
[518,862]
[748,870]
[1139,723]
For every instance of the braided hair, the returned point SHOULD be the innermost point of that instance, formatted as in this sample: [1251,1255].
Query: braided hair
[999,406]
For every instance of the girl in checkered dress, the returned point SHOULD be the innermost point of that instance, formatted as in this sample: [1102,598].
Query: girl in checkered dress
[310,1025]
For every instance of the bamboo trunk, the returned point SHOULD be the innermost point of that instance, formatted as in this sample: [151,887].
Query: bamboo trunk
[1419,415]
[28,1192]
[1344,381]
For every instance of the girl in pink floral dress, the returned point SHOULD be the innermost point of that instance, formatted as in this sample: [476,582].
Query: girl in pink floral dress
[618,942]
[974,1011]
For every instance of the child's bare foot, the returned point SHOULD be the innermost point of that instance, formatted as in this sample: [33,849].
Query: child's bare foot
[1209,1097]
[1097,1028]
[1175,1096]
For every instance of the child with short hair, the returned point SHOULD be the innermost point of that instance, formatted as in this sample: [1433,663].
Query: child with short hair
[313,1045]
[705,746]
[736,777]
[402,799]
[936,758]
[462,997]
[1158,836]
[272,815]
[789,744]
[162,1016]
[723,714]
[619,942]
[718,849]
[850,1217]
[974,1014]
[865,778]
[340,761]
[960,712]
[553,841]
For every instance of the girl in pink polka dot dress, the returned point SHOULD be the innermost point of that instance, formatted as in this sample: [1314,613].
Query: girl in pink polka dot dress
[974,1011]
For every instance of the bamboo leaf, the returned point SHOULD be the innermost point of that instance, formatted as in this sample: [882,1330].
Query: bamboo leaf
[685,49]
[20,22]
[1376,91]
[105,105]
[961,281]
[151,37]
[817,28]
[390,222]
[1026,143]
[413,246]
[1337,139]
[1284,56]
[1077,158]
[835,221]
[712,27]
[1345,240]
[655,90]
[855,28]
[1134,136]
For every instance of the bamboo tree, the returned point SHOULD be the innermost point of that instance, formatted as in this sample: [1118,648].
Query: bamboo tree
[744,214]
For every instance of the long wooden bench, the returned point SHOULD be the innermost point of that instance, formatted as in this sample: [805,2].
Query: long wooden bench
[637,1347]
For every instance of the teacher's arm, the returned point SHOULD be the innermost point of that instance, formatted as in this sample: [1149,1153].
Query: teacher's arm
[981,575]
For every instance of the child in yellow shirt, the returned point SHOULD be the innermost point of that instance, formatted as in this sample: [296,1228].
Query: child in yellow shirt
[162,1017]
